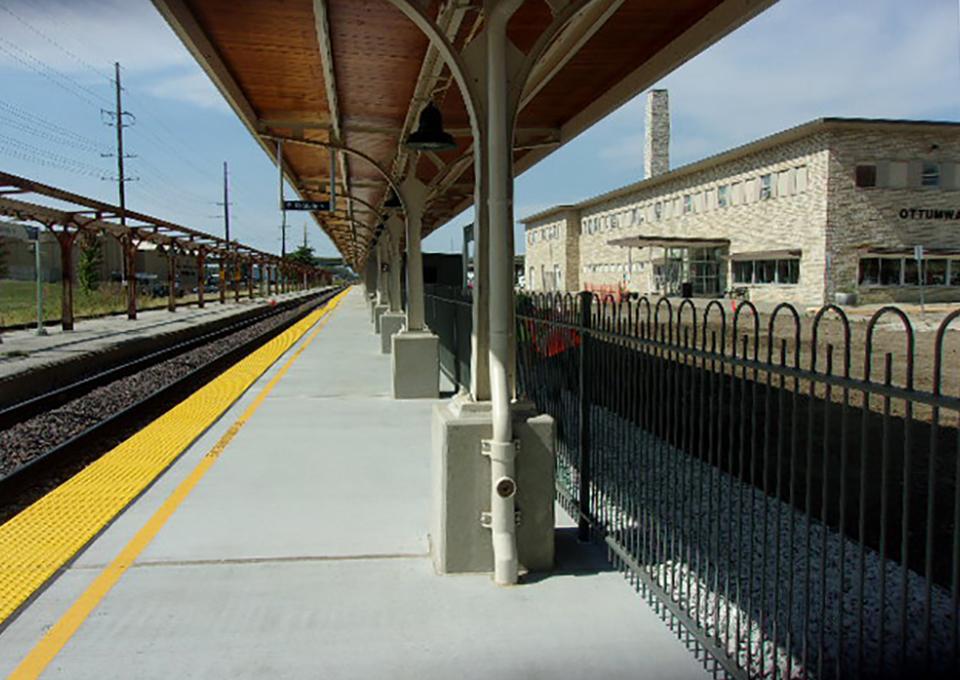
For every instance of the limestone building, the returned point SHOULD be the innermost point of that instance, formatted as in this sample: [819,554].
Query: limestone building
[834,206]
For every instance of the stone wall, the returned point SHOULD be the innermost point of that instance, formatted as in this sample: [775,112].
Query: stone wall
[859,219]
[807,174]
[790,219]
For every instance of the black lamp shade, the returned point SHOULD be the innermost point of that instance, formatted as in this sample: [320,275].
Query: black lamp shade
[430,135]
[392,201]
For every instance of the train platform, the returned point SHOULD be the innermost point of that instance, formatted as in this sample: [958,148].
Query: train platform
[111,338]
[290,540]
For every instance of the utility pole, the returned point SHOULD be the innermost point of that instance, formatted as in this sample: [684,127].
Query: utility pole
[305,244]
[224,259]
[120,174]
[128,244]
[226,202]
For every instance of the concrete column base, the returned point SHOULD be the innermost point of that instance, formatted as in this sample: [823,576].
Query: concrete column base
[378,311]
[461,487]
[390,323]
[372,303]
[416,365]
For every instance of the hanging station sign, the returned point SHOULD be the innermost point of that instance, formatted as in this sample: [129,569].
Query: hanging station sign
[312,206]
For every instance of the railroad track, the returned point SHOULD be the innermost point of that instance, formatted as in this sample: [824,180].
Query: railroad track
[47,438]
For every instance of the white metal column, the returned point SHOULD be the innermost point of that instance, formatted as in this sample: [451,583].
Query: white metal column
[499,160]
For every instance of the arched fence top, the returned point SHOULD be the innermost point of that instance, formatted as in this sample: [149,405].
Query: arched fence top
[938,350]
[755,315]
[900,315]
[815,334]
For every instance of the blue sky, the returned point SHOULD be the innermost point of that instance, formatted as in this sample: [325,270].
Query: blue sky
[800,60]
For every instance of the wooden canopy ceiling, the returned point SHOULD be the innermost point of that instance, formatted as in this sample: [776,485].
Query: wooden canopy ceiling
[358,72]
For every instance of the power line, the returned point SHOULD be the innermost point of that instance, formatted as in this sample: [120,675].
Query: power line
[41,122]
[48,136]
[80,60]
[45,70]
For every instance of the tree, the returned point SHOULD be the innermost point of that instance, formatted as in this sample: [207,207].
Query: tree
[91,257]
[304,255]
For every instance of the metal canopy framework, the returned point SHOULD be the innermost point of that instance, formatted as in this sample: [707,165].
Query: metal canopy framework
[355,74]
[73,215]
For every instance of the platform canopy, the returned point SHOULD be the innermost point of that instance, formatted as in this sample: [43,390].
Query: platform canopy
[357,73]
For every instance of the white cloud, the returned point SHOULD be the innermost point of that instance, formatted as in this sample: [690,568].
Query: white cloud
[69,35]
[192,88]
[801,60]
[57,41]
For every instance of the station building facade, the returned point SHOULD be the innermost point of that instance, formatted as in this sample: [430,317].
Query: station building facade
[834,206]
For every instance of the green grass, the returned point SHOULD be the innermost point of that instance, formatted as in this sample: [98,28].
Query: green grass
[18,301]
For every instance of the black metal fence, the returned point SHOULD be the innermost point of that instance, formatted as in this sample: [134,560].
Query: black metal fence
[791,496]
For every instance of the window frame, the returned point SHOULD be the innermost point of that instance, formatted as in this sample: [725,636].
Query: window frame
[871,167]
[936,173]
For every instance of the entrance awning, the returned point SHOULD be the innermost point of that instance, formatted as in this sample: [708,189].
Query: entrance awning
[669,242]
[908,252]
[782,254]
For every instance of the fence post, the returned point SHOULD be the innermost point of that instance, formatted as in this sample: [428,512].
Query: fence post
[583,412]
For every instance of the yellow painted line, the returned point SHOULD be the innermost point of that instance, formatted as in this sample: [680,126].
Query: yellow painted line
[37,542]
[57,637]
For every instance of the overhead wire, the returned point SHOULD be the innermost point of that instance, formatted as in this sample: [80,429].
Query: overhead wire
[164,138]
[43,69]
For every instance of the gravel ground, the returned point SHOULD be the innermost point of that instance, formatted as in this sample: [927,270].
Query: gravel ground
[31,438]
[733,549]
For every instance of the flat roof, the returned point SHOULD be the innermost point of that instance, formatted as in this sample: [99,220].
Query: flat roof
[761,144]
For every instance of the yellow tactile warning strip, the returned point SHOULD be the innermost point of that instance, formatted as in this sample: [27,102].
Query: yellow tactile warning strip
[38,541]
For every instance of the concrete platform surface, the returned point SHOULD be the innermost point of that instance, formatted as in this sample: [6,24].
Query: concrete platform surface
[303,553]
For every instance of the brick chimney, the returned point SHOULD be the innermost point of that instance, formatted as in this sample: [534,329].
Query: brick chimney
[656,157]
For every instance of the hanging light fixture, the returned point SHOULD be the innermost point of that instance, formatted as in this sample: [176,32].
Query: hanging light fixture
[430,135]
[392,200]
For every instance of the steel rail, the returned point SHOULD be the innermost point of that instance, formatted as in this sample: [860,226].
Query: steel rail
[28,408]
[51,461]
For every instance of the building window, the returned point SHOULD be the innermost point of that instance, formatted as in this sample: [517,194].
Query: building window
[614,222]
[786,271]
[723,196]
[765,271]
[911,272]
[881,271]
[869,271]
[766,187]
[935,272]
[736,193]
[891,272]
[802,178]
[687,204]
[658,210]
[904,271]
[897,173]
[743,271]
[930,175]
[866,176]
[784,185]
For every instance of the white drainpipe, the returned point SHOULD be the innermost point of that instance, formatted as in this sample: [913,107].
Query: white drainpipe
[499,142]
